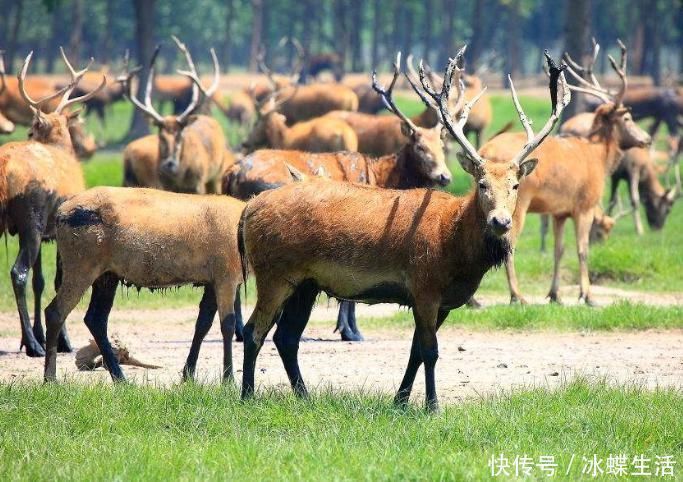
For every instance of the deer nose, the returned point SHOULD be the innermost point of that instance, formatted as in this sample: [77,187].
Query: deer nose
[501,224]
[444,180]
[169,166]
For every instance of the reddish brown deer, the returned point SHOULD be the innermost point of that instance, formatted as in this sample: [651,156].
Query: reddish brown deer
[146,238]
[36,176]
[421,248]
[419,162]
[6,125]
[570,177]
[191,147]
[637,168]
[316,135]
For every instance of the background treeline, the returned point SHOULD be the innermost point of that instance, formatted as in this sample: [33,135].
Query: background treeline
[364,32]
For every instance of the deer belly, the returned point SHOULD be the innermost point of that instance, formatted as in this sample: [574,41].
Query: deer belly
[355,285]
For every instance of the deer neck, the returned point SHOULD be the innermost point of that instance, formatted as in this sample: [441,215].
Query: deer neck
[396,171]
[606,147]
[276,133]
[479,249]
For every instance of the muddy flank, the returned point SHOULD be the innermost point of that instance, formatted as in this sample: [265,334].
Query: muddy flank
[472,363]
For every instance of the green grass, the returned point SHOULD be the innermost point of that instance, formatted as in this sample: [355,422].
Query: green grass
[618,316]
[103,432]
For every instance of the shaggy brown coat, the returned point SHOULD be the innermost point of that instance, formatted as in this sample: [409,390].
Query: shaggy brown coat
[108,235]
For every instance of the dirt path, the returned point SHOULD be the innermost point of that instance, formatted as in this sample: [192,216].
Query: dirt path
[472,363]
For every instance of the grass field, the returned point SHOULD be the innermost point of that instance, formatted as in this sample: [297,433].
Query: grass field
[106,432]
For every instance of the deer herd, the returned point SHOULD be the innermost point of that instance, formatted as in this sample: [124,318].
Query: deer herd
[325,195]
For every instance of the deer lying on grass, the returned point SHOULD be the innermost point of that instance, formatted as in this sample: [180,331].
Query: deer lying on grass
[316,135]
[425,249]
[420,162]
[637,168]
[191,148]
[570,177]
[304,102]
[146,238]
[35,177]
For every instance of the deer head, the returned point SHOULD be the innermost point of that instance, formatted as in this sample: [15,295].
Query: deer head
[497,183]
[612,119]
[426,145]
[55,127]
[172,127]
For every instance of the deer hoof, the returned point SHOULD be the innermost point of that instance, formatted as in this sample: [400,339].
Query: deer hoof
[349,335]
[515,299]
[555,298]
[34,350]
[473,303]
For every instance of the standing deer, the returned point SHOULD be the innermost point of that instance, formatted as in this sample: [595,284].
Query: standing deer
[421,248]
[637,168]
[419,162]
[570,177]
[192,148]
[147,238]
[36,176]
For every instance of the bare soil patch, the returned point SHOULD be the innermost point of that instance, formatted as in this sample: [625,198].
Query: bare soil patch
[471,364]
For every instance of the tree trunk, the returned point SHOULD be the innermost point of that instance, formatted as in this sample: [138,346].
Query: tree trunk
[449,7]
[108,42]
[477,43]
[356,29]
[76,29]
[407,29]
[576,41]
[256,33]
[376,29]
[144,37]
[513,35]
[227,42]
[14,35]
[56,26]
[427,26]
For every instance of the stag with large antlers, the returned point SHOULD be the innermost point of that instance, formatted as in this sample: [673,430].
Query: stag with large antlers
[419,162]
[570,177]
[192,150]
[421,248]
[36,176]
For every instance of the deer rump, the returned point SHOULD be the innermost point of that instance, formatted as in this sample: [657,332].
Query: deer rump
[372,251]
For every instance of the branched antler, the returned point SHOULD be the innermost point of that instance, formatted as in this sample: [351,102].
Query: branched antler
[387,94]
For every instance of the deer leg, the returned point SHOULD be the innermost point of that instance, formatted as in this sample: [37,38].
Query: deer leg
[425,325]
[613,195]
[97,317]
[225,298]
[518,225]
[582,224]
[346,322]
[29,247]
[38,288]
[558,233]
[633,182]
[414,362]
[545,220]
[207,311]
[291,326]
[68,296]
[272,297]
[239,321]
[63,344]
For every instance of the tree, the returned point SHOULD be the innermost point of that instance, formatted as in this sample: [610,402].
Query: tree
[256,33]
[14,35]
[76,30]
[577,39]
[227,41]
[144,36]
[376,29]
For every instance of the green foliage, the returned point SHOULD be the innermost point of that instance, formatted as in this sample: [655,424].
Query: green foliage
[114,432]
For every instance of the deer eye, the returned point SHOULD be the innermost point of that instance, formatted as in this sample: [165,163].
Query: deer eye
[482,185]
[516,186]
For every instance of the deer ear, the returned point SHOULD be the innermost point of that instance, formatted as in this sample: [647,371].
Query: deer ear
[74,114]
[466,162]
[670,195]
[527,167]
